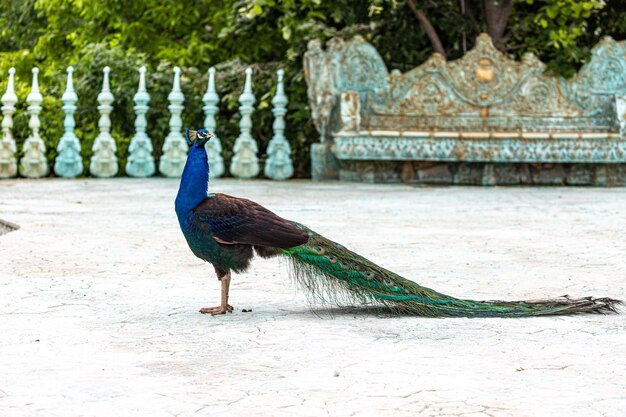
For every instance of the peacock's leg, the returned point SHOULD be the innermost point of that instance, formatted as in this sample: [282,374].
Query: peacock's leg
[224,307]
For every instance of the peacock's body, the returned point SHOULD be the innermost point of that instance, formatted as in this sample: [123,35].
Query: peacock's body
[226,231]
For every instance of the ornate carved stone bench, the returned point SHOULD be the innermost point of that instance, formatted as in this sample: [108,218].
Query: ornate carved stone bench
[482,119]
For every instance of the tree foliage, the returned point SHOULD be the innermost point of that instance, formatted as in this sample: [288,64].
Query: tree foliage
[264,34]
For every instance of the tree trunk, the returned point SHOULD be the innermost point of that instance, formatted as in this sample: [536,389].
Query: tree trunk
[497,13]
[427,26]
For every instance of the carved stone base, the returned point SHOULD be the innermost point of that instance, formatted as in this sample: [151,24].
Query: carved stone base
[69,162]
[433,173]
[324,164]
[580,174]
[104,161]
[174,156]
[34,163]
[547,174]
[8,162]
[610,175]
[140,162]
[465,173]
[245,163]
[489,175]
[370,172]
[278,165]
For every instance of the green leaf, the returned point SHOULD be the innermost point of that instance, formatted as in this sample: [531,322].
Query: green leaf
[552,11]
[286,31]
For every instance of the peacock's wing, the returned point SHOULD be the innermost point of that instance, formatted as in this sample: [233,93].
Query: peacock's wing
[237,220]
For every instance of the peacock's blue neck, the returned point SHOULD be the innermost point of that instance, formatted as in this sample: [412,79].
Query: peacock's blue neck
[194,183]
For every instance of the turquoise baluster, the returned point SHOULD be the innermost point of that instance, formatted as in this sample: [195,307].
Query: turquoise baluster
[245,163]
[34,163]
[278,165]
[69,162]
[104,161]
[140,161]
[8,162]
[175,147]
[214,146]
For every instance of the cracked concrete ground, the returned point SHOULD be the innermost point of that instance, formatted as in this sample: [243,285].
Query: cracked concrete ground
[99,297]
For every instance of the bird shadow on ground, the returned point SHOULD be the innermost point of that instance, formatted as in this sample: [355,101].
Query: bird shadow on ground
[344,311]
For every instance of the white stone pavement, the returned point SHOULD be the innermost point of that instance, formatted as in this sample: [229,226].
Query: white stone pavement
[99,297]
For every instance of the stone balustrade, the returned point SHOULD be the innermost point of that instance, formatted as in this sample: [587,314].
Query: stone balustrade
[140,161]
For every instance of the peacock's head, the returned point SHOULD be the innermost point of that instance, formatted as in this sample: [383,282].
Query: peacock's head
[200,136]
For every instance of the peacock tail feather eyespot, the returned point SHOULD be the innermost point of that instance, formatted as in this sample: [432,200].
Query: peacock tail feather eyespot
[320,250]
[368,275]
[332,259]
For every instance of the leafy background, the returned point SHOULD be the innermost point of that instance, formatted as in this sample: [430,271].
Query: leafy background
[264,34]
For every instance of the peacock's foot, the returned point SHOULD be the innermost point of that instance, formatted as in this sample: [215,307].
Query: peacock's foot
[214,311]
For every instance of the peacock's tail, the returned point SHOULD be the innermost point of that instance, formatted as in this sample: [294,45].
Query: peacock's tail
[328,269]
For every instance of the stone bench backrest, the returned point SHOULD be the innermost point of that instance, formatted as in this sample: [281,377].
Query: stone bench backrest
[351,90]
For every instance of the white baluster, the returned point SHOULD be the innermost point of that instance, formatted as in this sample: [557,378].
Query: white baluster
[34,163]
[175,147]
[214,146]
[69,162]
[140,161]
[245,163]
[104,161]
[278,165]
[8,162]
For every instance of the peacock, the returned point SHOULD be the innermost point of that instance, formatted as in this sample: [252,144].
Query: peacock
[226,231]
